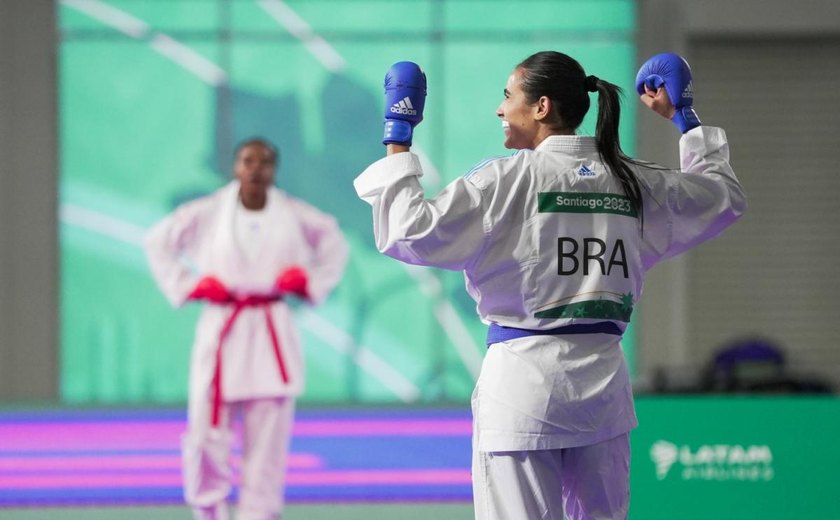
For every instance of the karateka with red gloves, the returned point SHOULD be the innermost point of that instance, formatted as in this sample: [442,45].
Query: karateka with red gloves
[246,250]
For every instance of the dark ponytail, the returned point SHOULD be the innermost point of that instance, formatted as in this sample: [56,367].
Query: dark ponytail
[562,79]
[609,145]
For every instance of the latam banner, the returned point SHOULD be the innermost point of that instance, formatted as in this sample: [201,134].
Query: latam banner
[741,458]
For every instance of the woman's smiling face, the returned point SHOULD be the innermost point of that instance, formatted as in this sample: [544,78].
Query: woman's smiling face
[518,115]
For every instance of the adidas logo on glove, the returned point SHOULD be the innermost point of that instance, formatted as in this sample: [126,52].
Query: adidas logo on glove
[689,90]
[404,107]
[405,96]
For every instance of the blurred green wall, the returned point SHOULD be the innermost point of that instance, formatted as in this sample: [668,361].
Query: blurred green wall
[153,97]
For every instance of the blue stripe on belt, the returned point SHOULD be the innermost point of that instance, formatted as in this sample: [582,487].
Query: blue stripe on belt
[497,333]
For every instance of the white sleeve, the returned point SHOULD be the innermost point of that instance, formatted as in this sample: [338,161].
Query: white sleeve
[328,250]
[166,244]
[684,209]
[446,231]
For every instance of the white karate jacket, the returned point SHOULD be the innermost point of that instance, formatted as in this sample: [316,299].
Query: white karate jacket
[197,239]
[546,238]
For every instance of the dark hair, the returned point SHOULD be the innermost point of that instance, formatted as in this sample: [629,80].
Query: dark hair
[562,79]
[259,141]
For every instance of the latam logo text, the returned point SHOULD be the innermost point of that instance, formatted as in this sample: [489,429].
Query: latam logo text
[712,461]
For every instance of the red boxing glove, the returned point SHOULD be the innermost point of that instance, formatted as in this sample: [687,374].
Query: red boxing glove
[211,289]
[293,281]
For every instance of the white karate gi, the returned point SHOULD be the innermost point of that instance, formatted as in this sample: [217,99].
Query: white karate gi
[545,238]
[199,239]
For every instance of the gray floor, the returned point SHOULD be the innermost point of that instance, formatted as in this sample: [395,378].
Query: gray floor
[293,512]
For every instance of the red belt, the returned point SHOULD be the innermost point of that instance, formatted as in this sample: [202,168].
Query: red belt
[265,302]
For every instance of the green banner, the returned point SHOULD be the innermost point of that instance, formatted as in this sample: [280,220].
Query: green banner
[592,309]
[738,458]
[561,202]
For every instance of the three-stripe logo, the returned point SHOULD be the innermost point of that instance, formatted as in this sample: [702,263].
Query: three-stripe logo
[404,107]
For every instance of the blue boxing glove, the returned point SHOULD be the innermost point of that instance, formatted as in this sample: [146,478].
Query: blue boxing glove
[671,71]
[405,96]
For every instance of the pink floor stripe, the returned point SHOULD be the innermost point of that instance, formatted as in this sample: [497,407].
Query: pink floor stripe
[305,478]
[382,477]
[101,480]
[96,436]
[390,427]
[163,435]
[19,465]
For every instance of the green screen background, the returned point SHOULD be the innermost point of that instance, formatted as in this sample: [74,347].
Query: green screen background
[153,97]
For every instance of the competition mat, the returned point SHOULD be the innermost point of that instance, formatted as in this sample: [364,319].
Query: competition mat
[116,456]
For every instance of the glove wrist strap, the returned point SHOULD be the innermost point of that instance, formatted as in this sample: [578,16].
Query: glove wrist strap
[397,131]
[685,119]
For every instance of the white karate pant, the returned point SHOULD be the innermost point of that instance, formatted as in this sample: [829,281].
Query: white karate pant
[266,433]
[582,483]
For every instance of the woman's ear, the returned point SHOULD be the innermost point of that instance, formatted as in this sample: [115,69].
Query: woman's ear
[543,108]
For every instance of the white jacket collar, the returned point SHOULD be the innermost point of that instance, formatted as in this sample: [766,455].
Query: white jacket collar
[567,143]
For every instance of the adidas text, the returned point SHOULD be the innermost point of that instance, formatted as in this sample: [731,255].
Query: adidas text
[404,107]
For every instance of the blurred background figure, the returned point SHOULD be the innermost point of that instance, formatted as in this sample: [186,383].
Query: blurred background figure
[245,251]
